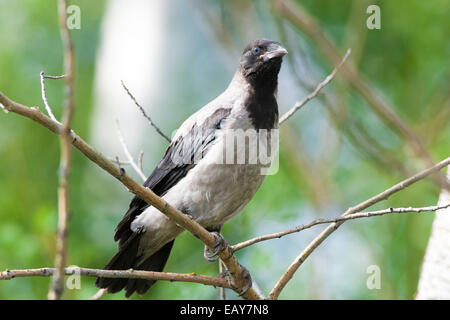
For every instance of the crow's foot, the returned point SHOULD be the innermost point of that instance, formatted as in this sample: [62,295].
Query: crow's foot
[219,246]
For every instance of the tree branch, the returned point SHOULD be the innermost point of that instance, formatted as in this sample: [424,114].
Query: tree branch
[334,226]
[237,273]
[316,222]
[128,154]
[140,160]
[57,286]
[223,295]
[44,96]
[128,274]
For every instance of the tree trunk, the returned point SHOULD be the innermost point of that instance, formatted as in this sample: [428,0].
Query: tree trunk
[434,282]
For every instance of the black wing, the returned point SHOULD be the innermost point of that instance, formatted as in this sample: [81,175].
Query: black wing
[176,163]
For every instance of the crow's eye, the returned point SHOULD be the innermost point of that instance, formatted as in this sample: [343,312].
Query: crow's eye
[255,50]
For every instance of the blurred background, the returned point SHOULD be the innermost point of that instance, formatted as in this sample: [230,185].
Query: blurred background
[177,55]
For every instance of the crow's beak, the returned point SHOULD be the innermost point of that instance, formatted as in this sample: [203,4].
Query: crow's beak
[274,51]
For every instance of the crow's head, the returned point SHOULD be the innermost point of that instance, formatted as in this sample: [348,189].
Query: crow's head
[261,60]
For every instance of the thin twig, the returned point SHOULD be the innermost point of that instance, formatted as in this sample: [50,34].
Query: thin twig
[120,162]
[315,222]
[316,91]
[223,295]
[44,96]
[140,160]
[145,114]
[128,274]
[57,285]
[128,154]
[334,226]
[54,77]
[122,170]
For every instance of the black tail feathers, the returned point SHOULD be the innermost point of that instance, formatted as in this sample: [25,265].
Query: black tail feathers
[126,258]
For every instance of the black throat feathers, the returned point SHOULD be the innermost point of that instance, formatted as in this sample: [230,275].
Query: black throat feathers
[261,103]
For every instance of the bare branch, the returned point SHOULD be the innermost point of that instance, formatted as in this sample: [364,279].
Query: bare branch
[122,170]
[119,162]
[144,113]
[128,154]
[334,226]
[141,157]
[128,274]
[57,286]
[316,91]
[315,222]
[223,295]
[54,77]
[237,273]
[44,96]
[69,65]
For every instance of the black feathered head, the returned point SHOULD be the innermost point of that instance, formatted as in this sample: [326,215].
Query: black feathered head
[261,60]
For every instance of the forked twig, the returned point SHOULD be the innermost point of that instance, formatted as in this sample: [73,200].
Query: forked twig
[128,154]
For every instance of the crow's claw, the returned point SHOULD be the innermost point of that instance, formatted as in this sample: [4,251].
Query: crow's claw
[208,256]
[219,246]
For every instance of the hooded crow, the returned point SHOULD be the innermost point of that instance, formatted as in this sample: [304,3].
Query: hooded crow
[204,172]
